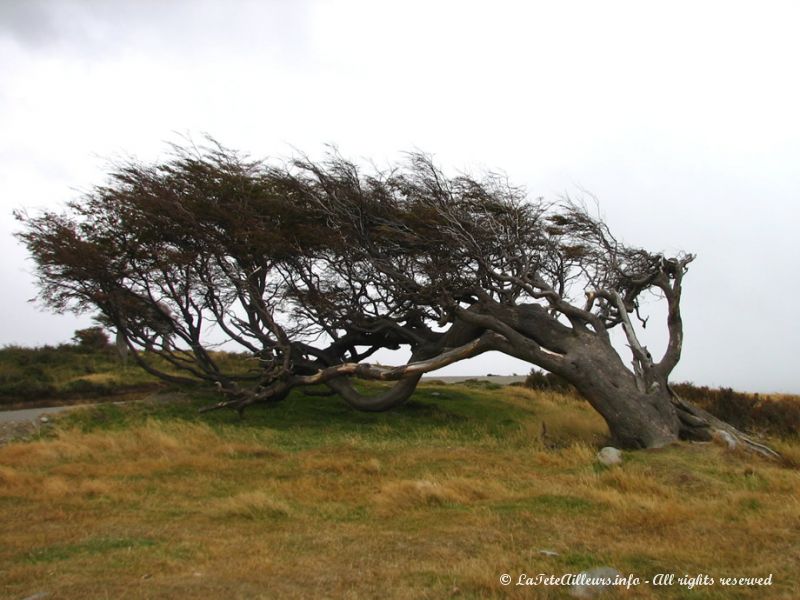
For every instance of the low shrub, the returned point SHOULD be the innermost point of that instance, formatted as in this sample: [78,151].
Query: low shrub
[542,380]
[91,338]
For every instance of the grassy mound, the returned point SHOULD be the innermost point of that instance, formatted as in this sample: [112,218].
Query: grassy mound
[60,374]
[71,373]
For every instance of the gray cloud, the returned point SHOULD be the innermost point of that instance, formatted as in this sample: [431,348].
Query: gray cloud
[27,22]
[101,29]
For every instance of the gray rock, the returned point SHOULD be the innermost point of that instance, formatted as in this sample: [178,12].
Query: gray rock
[727,439]
[548,552]
[592,589]
[38,596]
[43,419]
[609,456]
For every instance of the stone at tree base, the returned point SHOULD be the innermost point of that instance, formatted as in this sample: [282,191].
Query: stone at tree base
[593,591]
[609,456]
[726,438]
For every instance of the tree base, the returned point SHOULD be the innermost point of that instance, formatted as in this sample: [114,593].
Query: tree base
[700,425]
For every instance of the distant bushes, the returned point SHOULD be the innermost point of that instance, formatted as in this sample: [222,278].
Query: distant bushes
[91,338]
[775,414]
[482,384]
[544,381]
[64,372]
[27,373]
[89,368]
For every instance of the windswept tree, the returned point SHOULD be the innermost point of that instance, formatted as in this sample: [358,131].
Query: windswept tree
[312,267]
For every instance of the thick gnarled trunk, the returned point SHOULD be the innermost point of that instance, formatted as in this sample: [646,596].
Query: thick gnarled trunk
[635,419]
[638,415]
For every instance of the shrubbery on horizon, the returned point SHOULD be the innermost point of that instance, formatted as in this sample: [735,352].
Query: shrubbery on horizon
[90,367]
[87,367]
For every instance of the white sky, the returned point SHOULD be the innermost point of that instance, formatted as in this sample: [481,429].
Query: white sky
[682,118]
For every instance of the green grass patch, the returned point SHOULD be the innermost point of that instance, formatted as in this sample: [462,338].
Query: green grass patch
[548,503]
[89,547]
[302,422]
[580,561]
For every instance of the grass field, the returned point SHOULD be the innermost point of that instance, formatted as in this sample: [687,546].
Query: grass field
[309,499]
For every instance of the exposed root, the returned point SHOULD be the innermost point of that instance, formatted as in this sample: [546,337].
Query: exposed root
[240,400]
[380,402]
[700,425]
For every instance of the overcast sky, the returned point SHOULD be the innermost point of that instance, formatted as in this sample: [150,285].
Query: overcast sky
[682,118]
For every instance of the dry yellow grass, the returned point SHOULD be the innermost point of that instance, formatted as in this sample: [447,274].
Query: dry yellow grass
[98,378]
[255,504]
[404,495]
[396,509]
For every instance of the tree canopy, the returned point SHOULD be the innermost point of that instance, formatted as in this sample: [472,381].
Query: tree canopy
[312,267]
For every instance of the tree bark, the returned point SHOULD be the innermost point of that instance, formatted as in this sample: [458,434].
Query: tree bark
[636,418]
[649,418]
[391,398]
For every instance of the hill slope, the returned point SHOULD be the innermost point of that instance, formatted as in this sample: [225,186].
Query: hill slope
[438,499]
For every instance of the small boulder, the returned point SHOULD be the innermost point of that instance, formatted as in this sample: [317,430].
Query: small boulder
[590,583]
[548,552]
[726,438]
[609,456]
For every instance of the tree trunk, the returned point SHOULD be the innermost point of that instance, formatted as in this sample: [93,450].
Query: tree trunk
[636,418]
[641,410]
[643,414]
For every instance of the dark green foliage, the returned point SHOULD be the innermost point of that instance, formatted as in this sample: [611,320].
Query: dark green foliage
[91,338]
